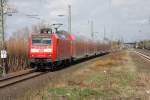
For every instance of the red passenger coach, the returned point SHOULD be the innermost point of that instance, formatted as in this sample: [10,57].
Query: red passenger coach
[55,47]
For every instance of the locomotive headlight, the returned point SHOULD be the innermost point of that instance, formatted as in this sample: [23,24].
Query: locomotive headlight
[34,50]
[47,50]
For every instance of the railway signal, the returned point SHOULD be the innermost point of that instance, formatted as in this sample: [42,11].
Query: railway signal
[3,54]
[4,57]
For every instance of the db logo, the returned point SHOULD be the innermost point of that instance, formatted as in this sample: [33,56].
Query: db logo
[41,50]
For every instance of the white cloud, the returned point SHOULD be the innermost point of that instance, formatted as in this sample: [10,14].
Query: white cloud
[143,21]
[119,16]
[119,2]
[123,2]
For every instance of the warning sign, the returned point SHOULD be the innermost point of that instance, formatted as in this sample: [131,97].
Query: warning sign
[3,54]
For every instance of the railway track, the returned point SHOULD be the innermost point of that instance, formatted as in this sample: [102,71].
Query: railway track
[146,57]
[14,79]
[14,75]
[8,81]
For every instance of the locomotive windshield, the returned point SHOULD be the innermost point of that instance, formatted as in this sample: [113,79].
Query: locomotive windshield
[41,41]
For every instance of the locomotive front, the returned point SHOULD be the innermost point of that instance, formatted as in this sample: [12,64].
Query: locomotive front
[40,48]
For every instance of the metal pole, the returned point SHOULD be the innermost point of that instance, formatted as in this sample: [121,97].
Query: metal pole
[92,29]
[2,22]
[104,33]
[2,31]
[69,18]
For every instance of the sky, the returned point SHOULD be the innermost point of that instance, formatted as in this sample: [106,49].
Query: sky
[122,19]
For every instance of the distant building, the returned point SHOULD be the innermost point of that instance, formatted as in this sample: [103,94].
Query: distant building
[130,45]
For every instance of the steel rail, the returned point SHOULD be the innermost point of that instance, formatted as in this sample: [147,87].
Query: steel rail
[20,78]
[143,55]
[4,78]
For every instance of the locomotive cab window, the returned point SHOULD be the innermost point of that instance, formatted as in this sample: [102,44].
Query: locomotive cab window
[41,41]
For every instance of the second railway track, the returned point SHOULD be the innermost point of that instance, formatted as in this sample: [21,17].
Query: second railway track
[143,55]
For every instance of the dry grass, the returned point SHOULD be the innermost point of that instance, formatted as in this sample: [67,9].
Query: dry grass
[114,59]
[98,81]
[17,54]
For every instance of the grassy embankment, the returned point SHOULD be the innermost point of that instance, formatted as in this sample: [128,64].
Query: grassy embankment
[112,77]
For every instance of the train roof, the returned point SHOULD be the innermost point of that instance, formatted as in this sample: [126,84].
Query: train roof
[66,35]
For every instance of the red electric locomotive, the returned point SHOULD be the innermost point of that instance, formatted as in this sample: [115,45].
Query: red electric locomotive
[55,47]
[50,47]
